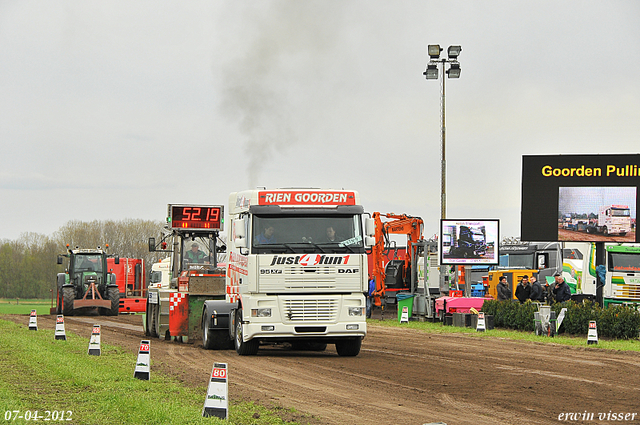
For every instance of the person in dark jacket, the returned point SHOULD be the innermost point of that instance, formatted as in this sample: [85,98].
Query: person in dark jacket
[504,293]
[561,290]
[536,290]
[523,290]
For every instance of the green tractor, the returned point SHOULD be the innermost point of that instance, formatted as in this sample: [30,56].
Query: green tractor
[87,284]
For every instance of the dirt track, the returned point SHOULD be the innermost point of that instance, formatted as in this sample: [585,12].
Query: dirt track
[570,235]
[403,376]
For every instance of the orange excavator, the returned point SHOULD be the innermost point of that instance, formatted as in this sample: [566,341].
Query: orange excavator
[396,224]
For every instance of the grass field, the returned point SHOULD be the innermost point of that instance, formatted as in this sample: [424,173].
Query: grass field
[19,306]
[437,327]
[39,373]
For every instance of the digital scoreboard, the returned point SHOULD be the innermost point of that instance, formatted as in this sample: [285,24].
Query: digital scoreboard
[196,217]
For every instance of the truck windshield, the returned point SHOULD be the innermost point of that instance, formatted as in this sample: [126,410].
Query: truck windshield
[520,261]
[615,212]
[624,262]
[303,234]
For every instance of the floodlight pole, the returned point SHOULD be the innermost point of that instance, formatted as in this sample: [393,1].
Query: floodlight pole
[453,72]
[443,158]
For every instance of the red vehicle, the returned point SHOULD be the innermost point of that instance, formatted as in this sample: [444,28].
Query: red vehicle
[130,278]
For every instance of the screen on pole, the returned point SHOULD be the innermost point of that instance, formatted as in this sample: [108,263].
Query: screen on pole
[583,198]
[469,242]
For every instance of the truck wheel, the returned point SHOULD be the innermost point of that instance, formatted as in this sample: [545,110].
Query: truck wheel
[249,348]
[68,296]
[349,347]
[605,231]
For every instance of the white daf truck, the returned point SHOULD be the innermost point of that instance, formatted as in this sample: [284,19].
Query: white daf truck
[296,271]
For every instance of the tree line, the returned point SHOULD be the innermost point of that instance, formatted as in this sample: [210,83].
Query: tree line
[28,266]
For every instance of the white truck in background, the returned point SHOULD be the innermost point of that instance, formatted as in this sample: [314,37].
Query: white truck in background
[612,220]
[622,271]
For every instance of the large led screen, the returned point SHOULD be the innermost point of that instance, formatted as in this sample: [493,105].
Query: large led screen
[584,198]
[469,242]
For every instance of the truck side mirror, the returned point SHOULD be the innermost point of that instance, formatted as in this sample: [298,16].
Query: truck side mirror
[59,259]
[240,238]
[152,244]
[369,227]
[369,241]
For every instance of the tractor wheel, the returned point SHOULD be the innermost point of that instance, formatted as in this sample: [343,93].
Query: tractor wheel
[349,347]
[153,312]
[68,296]
[113,295]
[214,339]
[147,319]
[249,348]
[59,302]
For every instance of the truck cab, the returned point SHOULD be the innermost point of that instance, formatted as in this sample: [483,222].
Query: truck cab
[297,268]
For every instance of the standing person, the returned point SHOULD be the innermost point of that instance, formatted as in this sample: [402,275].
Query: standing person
[504,293]
[523,290]
[536,290]
[561,290]
[372,289]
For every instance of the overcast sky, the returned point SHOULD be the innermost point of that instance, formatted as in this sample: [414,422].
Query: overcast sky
[112,110]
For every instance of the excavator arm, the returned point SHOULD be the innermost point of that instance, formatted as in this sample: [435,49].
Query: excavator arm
[397,224]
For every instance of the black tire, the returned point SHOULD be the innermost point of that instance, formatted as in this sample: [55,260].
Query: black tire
[217,339]
[113,295]
[68,296]
[61,280]
[605,231]
[154,318]
[349,347]
[147,320]
[59,302]
[249,348]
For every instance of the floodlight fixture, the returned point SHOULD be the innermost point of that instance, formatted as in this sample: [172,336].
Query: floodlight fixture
[454,71]
[432,72]
[434,51]
[454,51]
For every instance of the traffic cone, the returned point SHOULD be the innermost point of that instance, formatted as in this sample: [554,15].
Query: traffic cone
[94,342]
[480,327]
[142,365]
[592,336]
[33,321]
[60,333]
[216,403]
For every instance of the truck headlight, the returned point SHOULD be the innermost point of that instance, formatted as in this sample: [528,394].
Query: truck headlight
[261,312]
[356,311]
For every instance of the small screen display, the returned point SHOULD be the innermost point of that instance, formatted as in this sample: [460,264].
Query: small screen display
[197,217]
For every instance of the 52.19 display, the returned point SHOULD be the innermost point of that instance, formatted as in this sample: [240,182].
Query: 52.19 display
[196,217]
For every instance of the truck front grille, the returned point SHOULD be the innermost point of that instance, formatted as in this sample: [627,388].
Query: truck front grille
[305,310]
